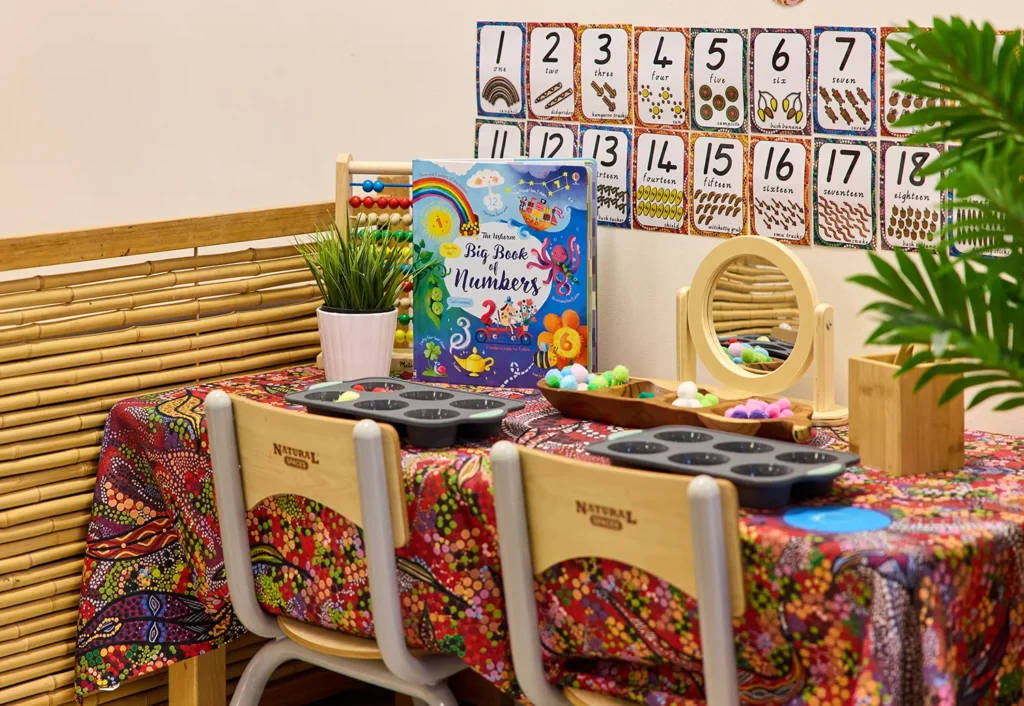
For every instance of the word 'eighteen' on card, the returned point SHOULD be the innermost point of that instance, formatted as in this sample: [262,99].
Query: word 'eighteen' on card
[551,79]
[912,206]
[660,181]
[611,148]
[718,204]
[606,59]
[500,53]
[844,193]
[661,81]
[778,188]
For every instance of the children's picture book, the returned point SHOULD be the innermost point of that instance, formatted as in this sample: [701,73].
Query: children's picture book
[510,294]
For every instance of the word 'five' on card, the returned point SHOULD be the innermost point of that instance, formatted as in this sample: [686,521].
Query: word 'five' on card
[605,60]
[718,204]
[844,193]
[779,189]
[659,197]
[551,52]
[610,148]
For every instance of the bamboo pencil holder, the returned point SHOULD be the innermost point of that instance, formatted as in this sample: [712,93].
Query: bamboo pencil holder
[898,430]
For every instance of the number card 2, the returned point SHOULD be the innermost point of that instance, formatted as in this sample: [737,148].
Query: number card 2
[661,80]
[611,148]
[500,62]
[780,80]
[498,139]
[551,71]
[605,73]
[912,206]
[781,169]
[717,202]
[844,68]
[844,193]
[660,180]
[718,65]
[551,140]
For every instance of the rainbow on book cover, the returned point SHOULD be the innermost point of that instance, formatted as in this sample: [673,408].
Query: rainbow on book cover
[509,295]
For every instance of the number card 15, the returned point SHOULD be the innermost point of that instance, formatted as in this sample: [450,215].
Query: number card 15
[717,198]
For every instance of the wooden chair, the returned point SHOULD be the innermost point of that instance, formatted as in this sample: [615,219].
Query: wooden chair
[354,468]
[682,529]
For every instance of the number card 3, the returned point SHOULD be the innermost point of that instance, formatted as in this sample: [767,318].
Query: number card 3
[500,62]
[612,148]
[778,188]
[718,65]
[844,193]
[661,80]
[498,139]
[551,71]
[780,80]
[912,206]
[604,73]
[551,140]
[718,201]
[845,61]
[660,181]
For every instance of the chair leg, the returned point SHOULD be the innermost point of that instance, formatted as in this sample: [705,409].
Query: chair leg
[257,672]
[436,695]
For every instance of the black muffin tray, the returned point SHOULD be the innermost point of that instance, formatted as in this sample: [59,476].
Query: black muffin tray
[429,417]
[777,348]
[766,473]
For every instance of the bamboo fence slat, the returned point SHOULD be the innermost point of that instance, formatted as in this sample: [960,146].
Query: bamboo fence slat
[44,526]
[36,686]
[35,558]
[42,654]
[53,539]
[33,671]
[54,698]
[38,511]
[34,627]
[28,594]
[46,492]
[14,484]
[30,577]
[61,442]
[58,426]
[38,608]
[40,639]
[47,461]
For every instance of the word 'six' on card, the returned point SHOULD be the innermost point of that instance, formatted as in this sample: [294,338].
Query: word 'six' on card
[551,140]
[500,64]
[913,212]
[498,139]
[660,86]
[612,149]
[844,193]
[780,176]
[718,69]
[660,180]
[717,175]
[551,71]
[605,73]
[780,80]
[845,61]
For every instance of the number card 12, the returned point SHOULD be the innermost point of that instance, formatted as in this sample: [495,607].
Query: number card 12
[500,62]
[718,200]
[660,181]
[551,140]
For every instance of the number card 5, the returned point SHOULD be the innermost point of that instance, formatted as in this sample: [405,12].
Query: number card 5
[719,70]
[845,61]
[551,77]
[718,203]
[500,59]
[659,195]
[778,188]
[912,205]
[844,193]
[605,60]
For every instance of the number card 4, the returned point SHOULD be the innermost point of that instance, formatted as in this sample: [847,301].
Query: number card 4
[551,140]
[660,181]
[498,139]
[718,65]
[611,148]
[780,80]
[661,80]
[844,193]
[778,188]
[551,71]
[717,198]
[912,206]
[605,73]
[500,60]
[845,61]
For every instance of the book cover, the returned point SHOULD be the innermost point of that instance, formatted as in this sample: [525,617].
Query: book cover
[511,290]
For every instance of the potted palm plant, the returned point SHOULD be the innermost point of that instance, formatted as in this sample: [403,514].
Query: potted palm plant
[360,274]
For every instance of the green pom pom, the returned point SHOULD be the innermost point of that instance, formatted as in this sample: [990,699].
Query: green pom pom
[709,400]
[608,377]
[620,373]
[748,355]
[645,395]
[598,383]
[763,358]
[552,378]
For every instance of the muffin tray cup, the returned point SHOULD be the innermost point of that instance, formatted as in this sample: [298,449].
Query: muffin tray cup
[428,417]
[767,473]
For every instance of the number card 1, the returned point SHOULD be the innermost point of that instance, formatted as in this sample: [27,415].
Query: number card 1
[605,73]
[498,139]
[780,81]
[660,180]
[845,61]
[718,200]
[551,140]
[778,188]
[611,148]
[551,71]
[718,65]
[500,62]
[844,193]
[661,81]
[912,205]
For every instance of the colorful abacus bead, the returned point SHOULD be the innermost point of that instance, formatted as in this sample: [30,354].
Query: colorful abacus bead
[404,202]
[393,202]
[367,185]
[404,319]
[355,202]
[382,201]
[368,201]
[378,186]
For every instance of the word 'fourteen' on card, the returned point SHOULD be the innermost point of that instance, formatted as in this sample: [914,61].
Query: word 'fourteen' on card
[844,193]
[778,188]
[719,71]
[780,67]
[551,140]
[606,59]
[717,197]
[498,139]
[662,77]
[844,65]
[660,180]
[500,57]
[912,206]
[551,75]
[611,148]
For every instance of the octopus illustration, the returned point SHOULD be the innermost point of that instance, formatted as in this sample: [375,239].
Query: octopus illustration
[561,262]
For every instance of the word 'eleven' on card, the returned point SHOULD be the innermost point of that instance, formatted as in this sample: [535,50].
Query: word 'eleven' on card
[717,196]
[661,83]
[780,172]
[660,180]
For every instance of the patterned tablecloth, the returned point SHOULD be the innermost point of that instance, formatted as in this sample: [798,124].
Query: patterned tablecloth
[926,608]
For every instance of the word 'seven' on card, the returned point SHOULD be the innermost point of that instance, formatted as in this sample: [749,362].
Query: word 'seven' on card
[845,69]
[498,139]
[719,71]
[844,193]
[718,203]
[780,69]
[500,59]
[611,148]
[912,206]
[660,181]
[662,79]
[778,188]
[606,57]
[551,78]
[551,140]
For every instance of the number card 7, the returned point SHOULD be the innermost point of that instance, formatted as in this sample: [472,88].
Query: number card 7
[659,194]
[845,67]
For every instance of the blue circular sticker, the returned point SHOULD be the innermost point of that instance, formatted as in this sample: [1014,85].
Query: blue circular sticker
[836,519]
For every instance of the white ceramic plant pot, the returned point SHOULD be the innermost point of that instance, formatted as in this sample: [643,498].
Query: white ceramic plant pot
[356,344]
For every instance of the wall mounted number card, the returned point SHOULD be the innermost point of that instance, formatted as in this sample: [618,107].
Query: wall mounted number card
[969,238]
[500,59]
[551,75]
[780,69]
[611,148]
[718,206]
[719,70]
[660,181]
[605,66]
[498,139]
[778,188]
[844,193]
[661,80]
[844,67]
[912,206]
[551,140]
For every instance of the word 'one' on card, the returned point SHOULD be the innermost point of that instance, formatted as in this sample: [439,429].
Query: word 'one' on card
[500,50]
[661,77]
[717,177]
[719,79]
[551,56]
[779,101]
[605,60]
[845,68]
[659,195]
[610,147]
[498,139]
[844,193]
[779,189]
[550,141]
[912,209]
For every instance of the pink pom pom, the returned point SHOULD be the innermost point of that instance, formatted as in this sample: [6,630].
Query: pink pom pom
[783,403]
[786,413]
[772,410]
[729,412]
[756,404]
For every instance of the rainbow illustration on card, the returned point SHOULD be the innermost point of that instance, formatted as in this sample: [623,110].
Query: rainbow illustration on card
[448,193]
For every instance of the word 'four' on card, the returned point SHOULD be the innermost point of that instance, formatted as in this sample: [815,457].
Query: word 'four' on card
[661,83]
[611,147]
[717,196]
[500,58]
[551,76]
[660,180]
[844,193]
[780,169]
[719,70]
[844,64]
[606,58]
[498,139]
[780,66]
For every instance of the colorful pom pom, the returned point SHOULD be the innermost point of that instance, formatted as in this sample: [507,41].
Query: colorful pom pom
[620,373]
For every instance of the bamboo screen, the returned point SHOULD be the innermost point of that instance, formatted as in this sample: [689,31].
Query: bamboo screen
[75,342]
[751,298]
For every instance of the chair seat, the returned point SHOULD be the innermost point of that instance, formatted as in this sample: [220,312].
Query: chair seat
[329,642]
[578,697]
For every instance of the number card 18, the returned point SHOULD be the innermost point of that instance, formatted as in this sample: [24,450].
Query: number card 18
[912,206]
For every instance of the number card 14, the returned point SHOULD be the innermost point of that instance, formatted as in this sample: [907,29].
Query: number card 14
[659,194]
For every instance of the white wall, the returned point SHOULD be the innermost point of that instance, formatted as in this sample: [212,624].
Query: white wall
[114,111]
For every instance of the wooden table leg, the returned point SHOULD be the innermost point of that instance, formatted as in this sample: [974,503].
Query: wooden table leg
[199,681]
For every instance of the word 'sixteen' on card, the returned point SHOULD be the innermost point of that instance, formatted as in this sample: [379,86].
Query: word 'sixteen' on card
[500,69]
[780,174]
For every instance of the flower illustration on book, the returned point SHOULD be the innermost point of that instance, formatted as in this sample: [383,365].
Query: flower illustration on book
[564,338]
